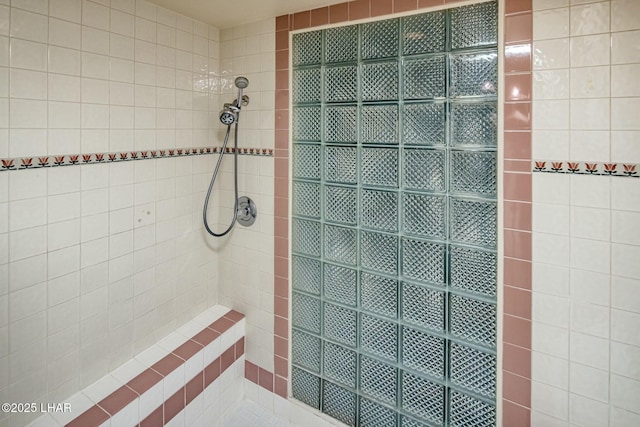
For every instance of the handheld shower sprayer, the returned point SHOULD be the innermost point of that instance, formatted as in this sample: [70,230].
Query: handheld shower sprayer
[230,113]
[244,210]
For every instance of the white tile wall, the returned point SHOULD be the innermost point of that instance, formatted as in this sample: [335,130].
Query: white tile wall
[246,263]
[586,282]
[98,262]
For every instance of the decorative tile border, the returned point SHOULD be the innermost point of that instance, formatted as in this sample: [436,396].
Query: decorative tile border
[631,170]
[20,163]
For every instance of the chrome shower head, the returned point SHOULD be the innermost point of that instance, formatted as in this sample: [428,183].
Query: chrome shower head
[229,114]
[241,82]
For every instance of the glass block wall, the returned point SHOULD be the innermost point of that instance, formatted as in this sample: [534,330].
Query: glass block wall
[394,227]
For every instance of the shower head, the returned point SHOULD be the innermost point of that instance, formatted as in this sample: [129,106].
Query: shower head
[242,82]
[229,114]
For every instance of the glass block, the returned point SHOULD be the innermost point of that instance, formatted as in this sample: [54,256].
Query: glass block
[306,48]
[341,44]
[340,364]
[380,167]
[465,411]
[379,210]
[424,170]
[474,124]
[305,312]
[305,199]
[341,324]
[379,252]
[306,273]
[305,350]
[378,380]
[373,414]
[306,123]
[340,284]
[423,352]
[379,295]
[379,124]
[423,261]
[474,222]
[341,84]
[423,398]
[305,237]
[473,370]
[306,161]
[423,307]
[425,78]
[339,403]
[341,124]
[379,337]
[380,39]
[424,33]
[410,422]
[340,204]
[341,164]
[473,320]
[474,172]
[305,387]
[340,244]
[475,25]
[474,270]
[424,124]
[380,81]
[306,83]
[424,215]
[474,74]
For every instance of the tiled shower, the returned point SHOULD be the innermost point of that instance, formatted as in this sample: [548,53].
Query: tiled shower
[107,140]
[394,229]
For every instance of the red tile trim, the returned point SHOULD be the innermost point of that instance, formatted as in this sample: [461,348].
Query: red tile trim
[515,415]
[280,386]
[173,405]
[95,416]
[221,325]
[144,381]
[265,379]
[516,388]
[206,336]
[517,6]
[517,190]
[155,419]
[251,372]
[187,350]
[212,372]
[517,360]
[194,387]
[119,399]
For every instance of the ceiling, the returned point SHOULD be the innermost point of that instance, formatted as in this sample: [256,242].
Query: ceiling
[229,13]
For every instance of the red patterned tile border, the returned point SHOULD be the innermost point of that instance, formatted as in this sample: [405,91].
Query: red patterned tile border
[134,389]
[19,163]
[631,170]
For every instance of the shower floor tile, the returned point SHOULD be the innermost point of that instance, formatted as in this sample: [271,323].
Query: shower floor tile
[251,414]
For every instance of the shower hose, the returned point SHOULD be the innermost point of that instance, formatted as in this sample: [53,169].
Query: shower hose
[235,182]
